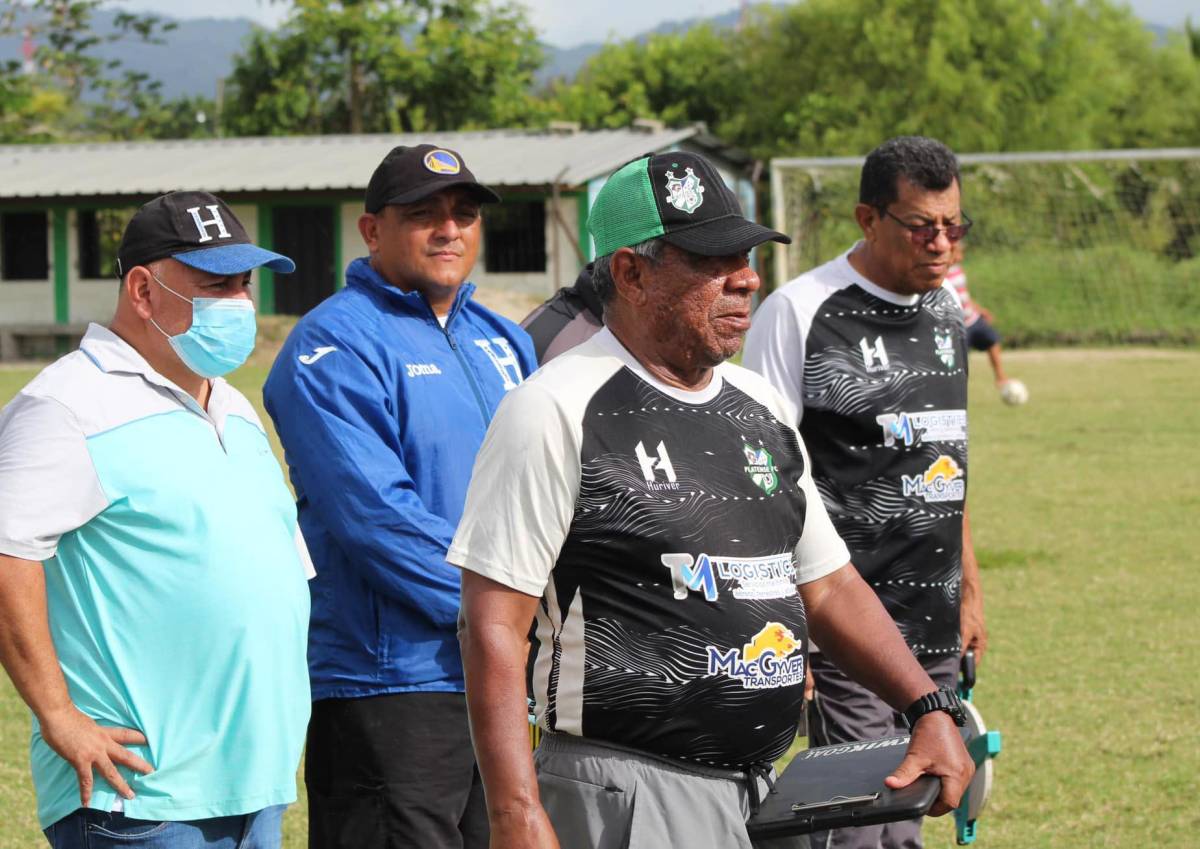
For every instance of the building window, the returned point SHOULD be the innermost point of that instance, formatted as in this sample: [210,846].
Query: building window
[100,233]
[24,246]
[515,236]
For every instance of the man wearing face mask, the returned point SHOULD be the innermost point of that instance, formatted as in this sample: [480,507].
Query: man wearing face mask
[153,603]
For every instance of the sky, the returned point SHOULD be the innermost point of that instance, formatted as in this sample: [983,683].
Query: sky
[565,24]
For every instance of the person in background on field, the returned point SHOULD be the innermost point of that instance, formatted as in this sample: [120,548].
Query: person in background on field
[981,335]
[381,396]
[153,602]
[572,315]
[870,348]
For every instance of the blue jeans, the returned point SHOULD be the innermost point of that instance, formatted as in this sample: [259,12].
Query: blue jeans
[90,829]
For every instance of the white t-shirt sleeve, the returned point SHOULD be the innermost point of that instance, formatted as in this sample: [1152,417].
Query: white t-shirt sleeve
[522,493]
[48,485]
[775,348]
[821,549]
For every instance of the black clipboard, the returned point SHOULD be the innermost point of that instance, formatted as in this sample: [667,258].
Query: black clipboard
[842,786]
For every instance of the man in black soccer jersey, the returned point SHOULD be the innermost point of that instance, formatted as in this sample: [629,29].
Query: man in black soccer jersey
[870,348]
[571,315]
[650,509]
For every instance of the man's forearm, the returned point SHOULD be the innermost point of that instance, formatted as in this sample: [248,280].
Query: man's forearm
[494,660]
[846,619]
[971,587]
[27,652]
[26,648]
[972,625]
[494,636]
[493,633]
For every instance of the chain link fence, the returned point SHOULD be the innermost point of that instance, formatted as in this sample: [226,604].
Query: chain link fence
[1097,247]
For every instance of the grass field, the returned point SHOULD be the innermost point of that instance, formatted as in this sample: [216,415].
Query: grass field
[1084,506]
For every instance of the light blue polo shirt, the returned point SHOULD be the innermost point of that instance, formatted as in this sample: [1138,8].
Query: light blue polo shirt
[175,579]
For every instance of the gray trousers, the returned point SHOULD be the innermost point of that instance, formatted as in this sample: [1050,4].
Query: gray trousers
[844,711]
[600,796]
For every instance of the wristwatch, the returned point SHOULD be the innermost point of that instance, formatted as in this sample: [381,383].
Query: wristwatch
[941,699]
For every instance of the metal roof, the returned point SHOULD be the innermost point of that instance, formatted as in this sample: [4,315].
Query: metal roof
[315,163]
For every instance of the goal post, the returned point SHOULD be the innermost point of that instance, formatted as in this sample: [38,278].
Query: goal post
[1096,247]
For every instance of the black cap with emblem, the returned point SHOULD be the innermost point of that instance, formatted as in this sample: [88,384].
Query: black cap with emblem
[408,174]
[680,197]
[195,228]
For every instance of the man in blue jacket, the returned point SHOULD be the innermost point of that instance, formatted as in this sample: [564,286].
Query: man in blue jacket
[381,396]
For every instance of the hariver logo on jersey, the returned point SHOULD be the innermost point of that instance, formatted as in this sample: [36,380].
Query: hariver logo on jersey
[773,658]
[942,481]
[684,193]
[761,468]
[875,356]
[927,426]
[773,576]
[943,341]
[652,465]
[442,162]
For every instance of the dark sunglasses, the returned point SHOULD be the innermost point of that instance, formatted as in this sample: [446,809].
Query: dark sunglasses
[923,234]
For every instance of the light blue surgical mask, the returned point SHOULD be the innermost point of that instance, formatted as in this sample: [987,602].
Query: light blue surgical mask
[221,336]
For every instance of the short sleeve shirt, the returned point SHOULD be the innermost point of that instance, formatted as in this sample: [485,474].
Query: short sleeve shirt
[880,382]
[175,580]
[956,279]
[665,532]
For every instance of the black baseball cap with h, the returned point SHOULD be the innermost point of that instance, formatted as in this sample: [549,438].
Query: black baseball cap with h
[195,228]
[408,174]
[680,197]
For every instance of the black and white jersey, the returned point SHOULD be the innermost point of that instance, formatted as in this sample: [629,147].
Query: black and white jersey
[665,532]
[880,382]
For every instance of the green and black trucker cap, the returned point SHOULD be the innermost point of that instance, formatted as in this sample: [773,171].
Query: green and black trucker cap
[680,197]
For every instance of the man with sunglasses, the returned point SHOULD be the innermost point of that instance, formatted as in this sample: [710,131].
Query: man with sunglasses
[870,347]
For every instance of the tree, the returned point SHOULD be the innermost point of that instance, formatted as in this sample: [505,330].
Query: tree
[28,114]
[74,94]
[677,78]
[378,66]
[836,77]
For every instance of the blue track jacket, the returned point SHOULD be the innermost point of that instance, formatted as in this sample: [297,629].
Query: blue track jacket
[381,412]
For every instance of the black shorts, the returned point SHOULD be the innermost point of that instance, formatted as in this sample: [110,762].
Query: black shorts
[393,771]
[981,335]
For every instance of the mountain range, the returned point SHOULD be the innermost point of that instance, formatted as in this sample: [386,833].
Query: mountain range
[200,51]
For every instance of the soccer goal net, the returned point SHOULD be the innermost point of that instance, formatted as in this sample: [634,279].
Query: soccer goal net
[1067,248]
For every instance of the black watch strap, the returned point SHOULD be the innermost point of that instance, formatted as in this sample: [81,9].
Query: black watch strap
[943,699]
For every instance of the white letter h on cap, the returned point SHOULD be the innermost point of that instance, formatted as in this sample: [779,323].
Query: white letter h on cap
[203,225]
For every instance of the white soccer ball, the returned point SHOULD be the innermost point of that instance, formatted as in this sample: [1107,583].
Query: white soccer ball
[1013,393]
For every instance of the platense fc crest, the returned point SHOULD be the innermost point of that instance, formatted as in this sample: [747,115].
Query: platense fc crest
[684,193]
[943,341]
[761,468]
